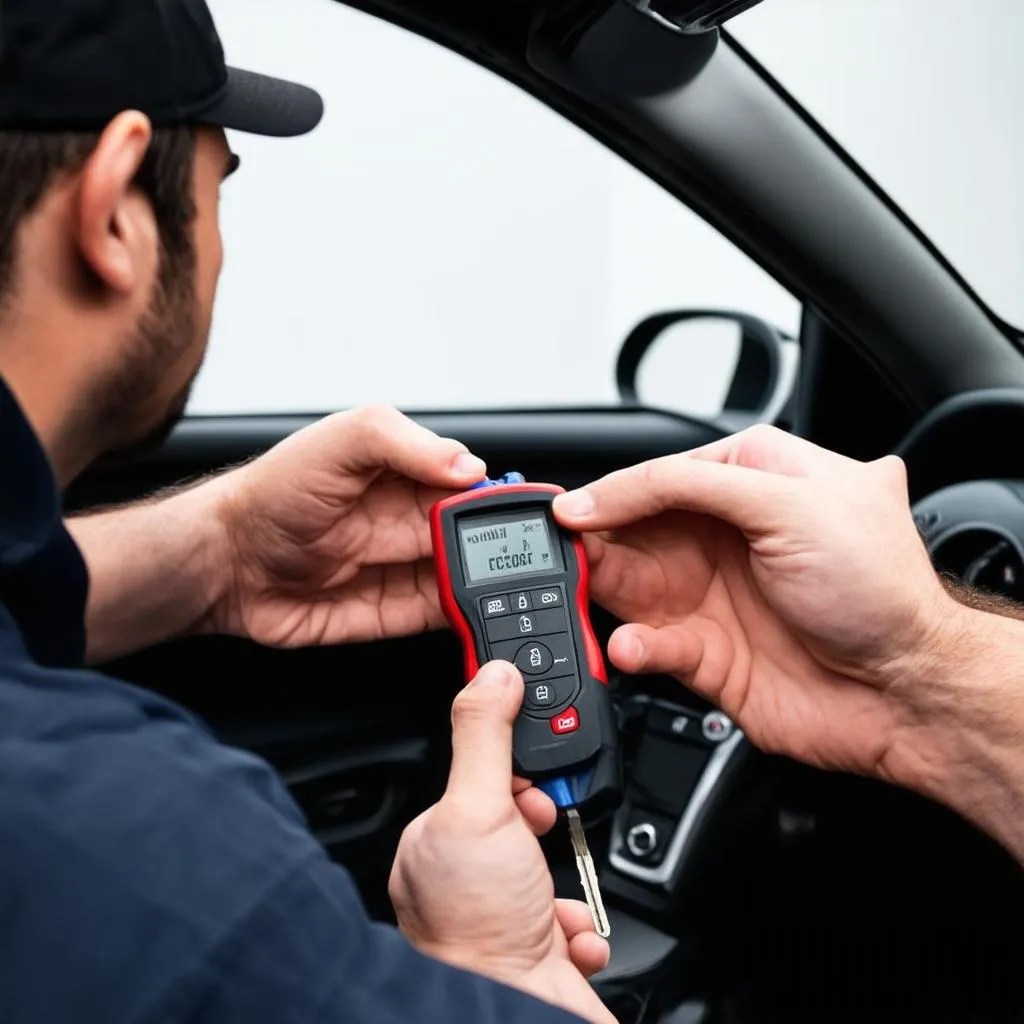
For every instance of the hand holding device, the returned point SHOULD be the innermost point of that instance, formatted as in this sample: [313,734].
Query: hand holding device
[324,540]
[785,583]
[470,884]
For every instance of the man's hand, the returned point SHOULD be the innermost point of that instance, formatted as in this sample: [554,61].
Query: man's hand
[470,884]
[323,540]
[326,536]
[787,584]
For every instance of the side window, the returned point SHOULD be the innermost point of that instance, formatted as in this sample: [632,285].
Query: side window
[445,241]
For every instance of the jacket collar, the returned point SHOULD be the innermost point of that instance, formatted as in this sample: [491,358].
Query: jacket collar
[29,499]
[43,580]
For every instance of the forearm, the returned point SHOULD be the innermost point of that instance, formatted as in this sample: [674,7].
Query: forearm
[153,570]
[963,744]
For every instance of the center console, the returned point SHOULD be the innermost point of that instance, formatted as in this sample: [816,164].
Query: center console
[679,767]
[679,760]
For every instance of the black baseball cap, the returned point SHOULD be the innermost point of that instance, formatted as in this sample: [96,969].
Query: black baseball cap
[76,64]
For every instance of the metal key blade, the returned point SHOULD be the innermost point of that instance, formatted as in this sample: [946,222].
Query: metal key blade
[588,874]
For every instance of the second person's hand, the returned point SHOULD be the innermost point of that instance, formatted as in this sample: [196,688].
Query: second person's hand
[787,584]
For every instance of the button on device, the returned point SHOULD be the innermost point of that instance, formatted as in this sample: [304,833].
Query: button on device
[550,597]
[567,721]
[511,626]
[556,654]
[526,624]
[497,605]
[549,695]
[533,659]
[521,602]
[540,695]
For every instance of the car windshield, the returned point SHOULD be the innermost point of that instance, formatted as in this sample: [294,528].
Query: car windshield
[925,95]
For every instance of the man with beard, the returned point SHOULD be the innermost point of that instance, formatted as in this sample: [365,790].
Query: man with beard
[146,872]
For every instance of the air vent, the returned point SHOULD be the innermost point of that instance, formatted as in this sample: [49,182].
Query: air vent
[983,558]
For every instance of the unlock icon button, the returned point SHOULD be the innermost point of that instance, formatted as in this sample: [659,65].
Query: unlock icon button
[533,659]
[543,656]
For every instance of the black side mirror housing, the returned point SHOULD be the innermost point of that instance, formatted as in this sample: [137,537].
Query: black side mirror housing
[757,377]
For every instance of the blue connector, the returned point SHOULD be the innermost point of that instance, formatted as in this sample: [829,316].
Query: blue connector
[569,791]
[508,478]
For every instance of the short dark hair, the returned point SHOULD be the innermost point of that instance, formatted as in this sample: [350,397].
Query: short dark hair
[30,162]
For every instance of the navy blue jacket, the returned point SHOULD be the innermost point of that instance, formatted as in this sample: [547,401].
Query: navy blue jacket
[147,873]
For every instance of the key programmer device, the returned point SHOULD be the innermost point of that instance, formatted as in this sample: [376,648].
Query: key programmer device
[514,586]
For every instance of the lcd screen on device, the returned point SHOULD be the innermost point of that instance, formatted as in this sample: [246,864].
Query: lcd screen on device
[498,549]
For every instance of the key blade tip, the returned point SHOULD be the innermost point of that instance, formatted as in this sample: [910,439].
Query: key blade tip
[588,874]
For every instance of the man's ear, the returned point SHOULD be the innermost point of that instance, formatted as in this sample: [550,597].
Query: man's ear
[117,233]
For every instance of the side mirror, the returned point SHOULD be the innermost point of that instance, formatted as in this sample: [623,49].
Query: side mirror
[727,367]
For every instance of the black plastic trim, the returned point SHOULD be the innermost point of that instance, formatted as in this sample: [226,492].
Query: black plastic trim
[572,432]
[569,447]
[973,436]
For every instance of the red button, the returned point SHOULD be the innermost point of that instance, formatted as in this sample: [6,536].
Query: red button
[567,721]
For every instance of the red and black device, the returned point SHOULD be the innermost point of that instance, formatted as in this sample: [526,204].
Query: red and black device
[514,586]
